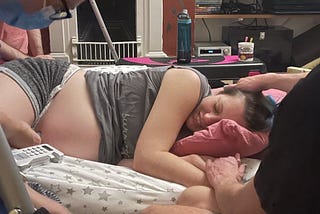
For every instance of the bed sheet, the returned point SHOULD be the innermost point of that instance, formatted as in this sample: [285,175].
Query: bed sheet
[92,187]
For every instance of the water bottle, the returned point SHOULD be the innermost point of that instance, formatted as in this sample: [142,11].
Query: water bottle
[184,37]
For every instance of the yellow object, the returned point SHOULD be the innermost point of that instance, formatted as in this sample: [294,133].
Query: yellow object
[306,68]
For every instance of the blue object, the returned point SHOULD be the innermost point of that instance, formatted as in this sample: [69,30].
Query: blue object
[3,209]
[184,37]
[12,13]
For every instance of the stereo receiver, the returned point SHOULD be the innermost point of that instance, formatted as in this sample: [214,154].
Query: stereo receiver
[212,49]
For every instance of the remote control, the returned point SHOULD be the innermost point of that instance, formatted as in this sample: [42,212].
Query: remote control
[36,155]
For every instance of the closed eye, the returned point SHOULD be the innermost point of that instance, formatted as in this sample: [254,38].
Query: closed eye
[218,107]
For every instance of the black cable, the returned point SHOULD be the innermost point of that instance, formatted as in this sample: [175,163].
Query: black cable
[248,25]
[255,25]
[266,23]
[205,24]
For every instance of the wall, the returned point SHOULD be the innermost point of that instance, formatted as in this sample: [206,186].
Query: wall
[171,9]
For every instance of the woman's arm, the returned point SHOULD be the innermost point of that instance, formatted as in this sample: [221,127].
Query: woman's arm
[198,161]
[9,53]
[35,42]
[177,97]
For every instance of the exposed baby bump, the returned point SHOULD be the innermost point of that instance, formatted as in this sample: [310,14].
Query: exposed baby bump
[69,123]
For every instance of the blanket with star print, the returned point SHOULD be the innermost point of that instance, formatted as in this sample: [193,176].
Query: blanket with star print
[92,187]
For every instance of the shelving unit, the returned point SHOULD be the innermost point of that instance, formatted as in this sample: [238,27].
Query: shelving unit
[234,16]
[248,16]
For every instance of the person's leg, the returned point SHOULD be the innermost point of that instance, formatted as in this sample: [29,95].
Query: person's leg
[16,113]
[14,101]
[199,196]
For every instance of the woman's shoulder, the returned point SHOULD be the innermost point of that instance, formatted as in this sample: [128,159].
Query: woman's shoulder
[192,76]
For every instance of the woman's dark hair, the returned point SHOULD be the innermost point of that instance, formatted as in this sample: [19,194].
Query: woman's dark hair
[258,111]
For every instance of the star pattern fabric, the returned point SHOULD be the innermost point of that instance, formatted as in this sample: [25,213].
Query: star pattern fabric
[92,187]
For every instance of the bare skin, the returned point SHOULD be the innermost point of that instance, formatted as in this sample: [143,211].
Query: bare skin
[178,209]
[281,81]
[70,124]
[41,201]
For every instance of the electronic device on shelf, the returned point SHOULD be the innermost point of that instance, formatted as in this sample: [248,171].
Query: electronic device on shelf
[272,44]
[291,6]
[208,6]
[36,155]
[212,49]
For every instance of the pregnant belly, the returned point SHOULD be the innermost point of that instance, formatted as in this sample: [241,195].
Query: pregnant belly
[69,124]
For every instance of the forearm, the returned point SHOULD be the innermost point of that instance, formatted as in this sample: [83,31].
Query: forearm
[41,201]
[9,53]
[174,209]
[35,42]
[236,198]
[167,166]
[282,81]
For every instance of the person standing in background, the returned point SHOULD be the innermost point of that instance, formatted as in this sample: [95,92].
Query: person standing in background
[19,43]
[35,14]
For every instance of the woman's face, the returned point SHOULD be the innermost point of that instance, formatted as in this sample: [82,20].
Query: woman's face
[214,108]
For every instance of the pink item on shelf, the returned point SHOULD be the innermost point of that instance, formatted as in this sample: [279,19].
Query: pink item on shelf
[228,60]
[144,61]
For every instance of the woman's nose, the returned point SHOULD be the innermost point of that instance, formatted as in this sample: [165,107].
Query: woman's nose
[210,118]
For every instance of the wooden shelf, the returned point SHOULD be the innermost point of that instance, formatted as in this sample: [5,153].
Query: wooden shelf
[247,16]
[234,16]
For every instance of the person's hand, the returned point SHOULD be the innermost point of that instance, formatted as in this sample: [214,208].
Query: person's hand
[225,170]
[22,135]
[46,56]
[254,83]
[19,133]
[198,161]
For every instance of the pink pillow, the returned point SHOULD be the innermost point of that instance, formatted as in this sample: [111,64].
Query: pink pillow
[223,138]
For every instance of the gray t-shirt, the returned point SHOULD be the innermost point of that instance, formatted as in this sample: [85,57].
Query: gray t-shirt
[122,102]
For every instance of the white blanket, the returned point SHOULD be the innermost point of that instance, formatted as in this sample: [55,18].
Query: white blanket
[92,187]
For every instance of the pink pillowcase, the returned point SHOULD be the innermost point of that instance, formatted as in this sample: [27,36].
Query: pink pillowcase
[222,139]
[226,137]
